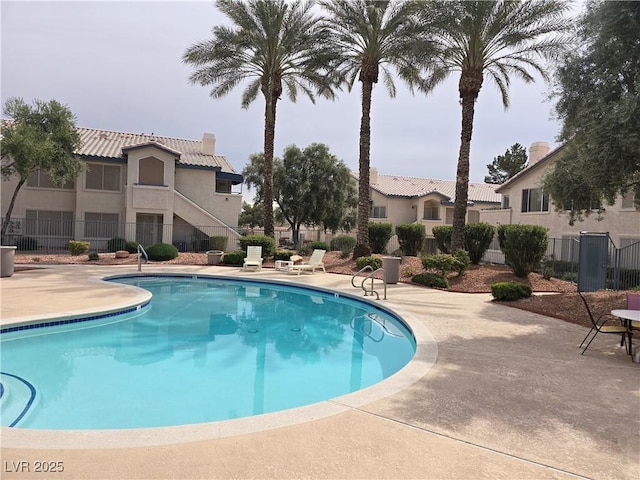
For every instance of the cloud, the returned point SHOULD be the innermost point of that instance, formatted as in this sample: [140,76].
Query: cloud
[117,65]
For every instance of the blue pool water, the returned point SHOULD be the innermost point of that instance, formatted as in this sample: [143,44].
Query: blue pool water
[204,350]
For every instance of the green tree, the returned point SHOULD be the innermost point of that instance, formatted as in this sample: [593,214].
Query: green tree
[598,100]
[275,44]
[41,136]
[506,166]
[499,39]
[251,215]
[253,178]
[370,36]
[313,187]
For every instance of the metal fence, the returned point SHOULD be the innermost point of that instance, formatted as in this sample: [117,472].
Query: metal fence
[48,236]
[562,260]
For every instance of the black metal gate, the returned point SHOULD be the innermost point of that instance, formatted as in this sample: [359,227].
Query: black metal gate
[593,261]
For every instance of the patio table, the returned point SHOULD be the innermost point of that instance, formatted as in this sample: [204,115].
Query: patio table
[628,316]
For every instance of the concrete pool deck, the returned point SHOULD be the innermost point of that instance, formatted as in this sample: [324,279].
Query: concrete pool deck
[508,396]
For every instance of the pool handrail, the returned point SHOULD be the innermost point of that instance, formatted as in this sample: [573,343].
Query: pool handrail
[146,257]
[370,276]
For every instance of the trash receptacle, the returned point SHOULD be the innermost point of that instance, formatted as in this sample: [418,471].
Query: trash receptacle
[391,266]
[7,259]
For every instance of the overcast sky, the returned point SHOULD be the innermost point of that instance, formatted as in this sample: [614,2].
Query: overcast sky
[118,66]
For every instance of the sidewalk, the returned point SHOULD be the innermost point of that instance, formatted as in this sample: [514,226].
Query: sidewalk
[509,396]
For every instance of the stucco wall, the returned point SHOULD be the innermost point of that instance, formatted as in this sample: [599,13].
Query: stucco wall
[620,223]
[100,201]
[36,199]
[199,186]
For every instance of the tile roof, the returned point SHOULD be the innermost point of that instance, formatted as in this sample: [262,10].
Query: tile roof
[108,144]
[415,187]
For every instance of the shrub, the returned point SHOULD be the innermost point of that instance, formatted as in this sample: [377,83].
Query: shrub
[77,247]
[283,254]
[510,291]
[26,244]
[161,252]
[477,239]
[131,247]
[218,242]
[570,277]
[407,271]
[462,261]
[373,262]
[431,279]
[304,249]
[442,234]
[268,244]
[93,256]
[442,263]
[317,245]
[379,236]
[411,237]
[115,244]
[234,258]
[523,246]
[343,243]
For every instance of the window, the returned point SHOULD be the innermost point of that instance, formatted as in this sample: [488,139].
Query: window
[223,186]
[473,216]
[103,177]
[625,242]
[534,200]
[505,201]
[151,172]
[449,216]
[431,210]
[378,212]
[40,179]
[49,223]
[628,201]
[100,225]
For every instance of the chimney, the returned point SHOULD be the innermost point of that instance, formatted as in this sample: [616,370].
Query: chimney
[537,151]
[209,144]
[373,175]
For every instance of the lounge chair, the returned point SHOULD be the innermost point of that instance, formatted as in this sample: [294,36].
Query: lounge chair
[314,262]
[253,258]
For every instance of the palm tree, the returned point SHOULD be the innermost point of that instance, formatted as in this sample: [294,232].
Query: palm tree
[277,45]
[493,38]
[370,35]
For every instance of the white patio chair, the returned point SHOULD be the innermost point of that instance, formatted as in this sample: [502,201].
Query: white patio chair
[314,263]
[253,258]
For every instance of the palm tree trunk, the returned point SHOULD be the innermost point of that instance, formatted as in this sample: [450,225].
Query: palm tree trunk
[462,174]
[362,248]
[269,140]
[7,217]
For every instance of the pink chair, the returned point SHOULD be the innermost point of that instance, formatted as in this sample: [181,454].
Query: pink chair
[633,303]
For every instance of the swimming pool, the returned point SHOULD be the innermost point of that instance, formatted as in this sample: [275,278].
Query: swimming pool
[204,350]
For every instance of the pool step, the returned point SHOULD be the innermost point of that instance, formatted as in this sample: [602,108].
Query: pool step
[18,397]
